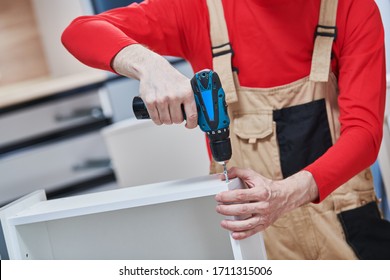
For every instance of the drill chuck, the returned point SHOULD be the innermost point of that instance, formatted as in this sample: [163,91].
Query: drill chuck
[220,145]
[221,150]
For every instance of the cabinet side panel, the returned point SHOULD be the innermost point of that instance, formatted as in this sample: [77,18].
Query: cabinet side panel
[34,242]
[187,229]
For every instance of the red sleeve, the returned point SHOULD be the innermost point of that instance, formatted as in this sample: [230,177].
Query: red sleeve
[362,85]
[95,40]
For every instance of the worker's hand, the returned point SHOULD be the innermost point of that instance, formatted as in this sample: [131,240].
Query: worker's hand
[264,201]
[164,90]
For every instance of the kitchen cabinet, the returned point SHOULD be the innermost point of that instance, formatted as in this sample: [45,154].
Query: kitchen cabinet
[54,142]
[54,166]
[52,107]
[47,116]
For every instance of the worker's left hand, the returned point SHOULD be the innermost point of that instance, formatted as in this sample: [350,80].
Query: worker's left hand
[264,201]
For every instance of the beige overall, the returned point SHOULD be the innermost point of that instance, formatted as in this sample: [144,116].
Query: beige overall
[314,230]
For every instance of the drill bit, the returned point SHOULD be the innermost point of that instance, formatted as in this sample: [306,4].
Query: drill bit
[225,173]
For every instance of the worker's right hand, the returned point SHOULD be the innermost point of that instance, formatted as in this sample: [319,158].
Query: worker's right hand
[164,90]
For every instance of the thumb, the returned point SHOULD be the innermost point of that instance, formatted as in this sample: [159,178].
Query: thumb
[243,174]
[246,175]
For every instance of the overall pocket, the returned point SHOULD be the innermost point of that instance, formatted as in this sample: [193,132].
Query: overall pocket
[303,135]
[253,126]
[366,232]
[254,141]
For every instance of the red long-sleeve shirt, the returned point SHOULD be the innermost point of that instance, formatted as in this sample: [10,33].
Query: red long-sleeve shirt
[273,45]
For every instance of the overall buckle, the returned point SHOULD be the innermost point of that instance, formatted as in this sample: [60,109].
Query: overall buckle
[326,31]
[225,49]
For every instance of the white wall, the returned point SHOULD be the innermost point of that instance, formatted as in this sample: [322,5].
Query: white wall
[382,185]
[384,7]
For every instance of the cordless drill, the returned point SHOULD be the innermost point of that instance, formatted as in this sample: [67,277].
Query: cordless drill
[213,117]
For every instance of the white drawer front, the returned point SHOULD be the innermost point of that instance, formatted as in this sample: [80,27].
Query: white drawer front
[121,93]
[52,166]
[50,116]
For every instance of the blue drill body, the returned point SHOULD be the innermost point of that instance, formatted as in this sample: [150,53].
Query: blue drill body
[210,100]
[213,117]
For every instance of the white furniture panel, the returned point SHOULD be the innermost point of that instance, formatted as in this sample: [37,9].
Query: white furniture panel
[121,93]
[169,220]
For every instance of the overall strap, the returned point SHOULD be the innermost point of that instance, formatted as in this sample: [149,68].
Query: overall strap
[221,49]
[326,33]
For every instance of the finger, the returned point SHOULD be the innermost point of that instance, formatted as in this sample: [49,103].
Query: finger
[231,173]
[151,106]
[163,111]
[243,209]
[239,235]
[244,174]
[260,195]
[176,113]
[243,225]
[233,209]
[191,113]
[153,113]
[241,195]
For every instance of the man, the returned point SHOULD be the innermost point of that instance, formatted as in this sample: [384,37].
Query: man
[305,86]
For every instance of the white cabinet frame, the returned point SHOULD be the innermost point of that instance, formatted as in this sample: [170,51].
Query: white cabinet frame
[169,220]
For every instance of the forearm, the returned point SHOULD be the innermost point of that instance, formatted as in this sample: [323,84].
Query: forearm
[354,152]
[137,61]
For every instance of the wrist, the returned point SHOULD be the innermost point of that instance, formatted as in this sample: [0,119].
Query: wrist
[298,189]
[309,185]
[136,61]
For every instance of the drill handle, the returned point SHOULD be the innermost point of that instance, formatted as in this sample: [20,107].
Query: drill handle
[140,110]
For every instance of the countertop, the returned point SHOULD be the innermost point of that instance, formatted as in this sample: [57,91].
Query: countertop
[21,92]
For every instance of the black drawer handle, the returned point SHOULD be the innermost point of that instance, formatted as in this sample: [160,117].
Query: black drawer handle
[90,164]
[94,113]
